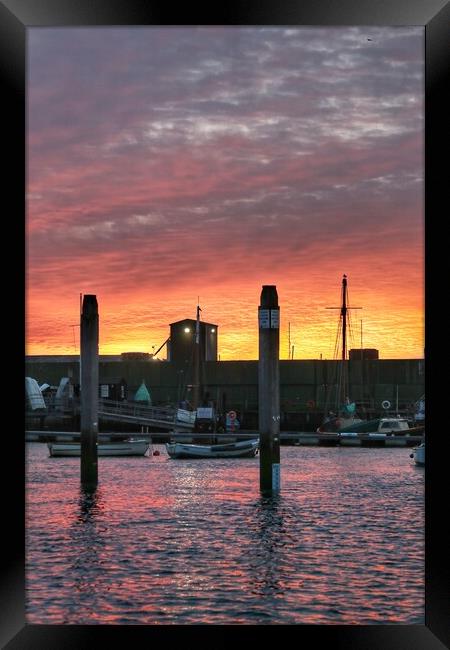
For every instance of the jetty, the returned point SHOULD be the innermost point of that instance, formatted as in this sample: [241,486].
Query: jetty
[297,438]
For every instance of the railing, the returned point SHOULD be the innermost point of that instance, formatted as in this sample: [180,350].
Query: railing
[165,417]
[137,410]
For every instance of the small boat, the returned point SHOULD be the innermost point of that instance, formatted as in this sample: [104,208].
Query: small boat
[334,423]
[125,448]
[419,454]
[396,426]
[241,449]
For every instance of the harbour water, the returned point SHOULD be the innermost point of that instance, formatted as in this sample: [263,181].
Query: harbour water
[193,541]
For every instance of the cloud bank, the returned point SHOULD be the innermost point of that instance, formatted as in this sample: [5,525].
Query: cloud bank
[170,163]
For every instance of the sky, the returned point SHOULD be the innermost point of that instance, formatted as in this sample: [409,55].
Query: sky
[170,165]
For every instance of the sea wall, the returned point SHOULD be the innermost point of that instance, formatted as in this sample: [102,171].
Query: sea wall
[304,384]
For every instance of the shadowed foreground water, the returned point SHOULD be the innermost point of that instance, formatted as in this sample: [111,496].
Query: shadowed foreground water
[192,541]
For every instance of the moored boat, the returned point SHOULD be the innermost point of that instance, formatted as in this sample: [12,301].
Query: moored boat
[419,454]
[125,448]
[241,449]
[397,426]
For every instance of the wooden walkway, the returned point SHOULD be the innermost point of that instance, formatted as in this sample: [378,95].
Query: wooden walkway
[163,418]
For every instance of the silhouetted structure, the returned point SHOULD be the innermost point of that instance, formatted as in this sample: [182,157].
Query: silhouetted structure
[182,338]
[269,390]
[89,391]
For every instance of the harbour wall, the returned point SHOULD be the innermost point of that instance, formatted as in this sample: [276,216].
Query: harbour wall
[304,384]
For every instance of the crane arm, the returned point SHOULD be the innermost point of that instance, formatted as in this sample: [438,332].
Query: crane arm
[161,347]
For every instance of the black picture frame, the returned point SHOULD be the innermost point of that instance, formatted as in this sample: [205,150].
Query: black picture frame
[16,16]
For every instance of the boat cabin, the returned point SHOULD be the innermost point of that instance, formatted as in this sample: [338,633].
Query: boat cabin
[393,425]
[396,426]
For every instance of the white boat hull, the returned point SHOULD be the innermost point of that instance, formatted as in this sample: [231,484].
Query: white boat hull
[242,449]
[127,448]
[419,455]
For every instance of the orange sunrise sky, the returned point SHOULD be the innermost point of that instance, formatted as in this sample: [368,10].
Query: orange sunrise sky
[166,164]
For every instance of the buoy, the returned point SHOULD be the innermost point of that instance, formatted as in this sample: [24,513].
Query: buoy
[232,415]
[310,403]
[156,452]
[386,404]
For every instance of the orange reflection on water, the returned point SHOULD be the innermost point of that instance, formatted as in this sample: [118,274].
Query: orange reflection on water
[164,541]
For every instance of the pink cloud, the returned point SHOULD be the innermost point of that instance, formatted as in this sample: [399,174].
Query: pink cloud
[164,166]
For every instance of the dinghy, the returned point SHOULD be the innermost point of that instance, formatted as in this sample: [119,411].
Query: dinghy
[241,449]
[126,448]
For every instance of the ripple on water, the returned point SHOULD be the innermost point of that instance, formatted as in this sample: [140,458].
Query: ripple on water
[165,541]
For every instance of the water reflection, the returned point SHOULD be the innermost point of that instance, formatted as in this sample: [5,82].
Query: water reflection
[86,538]
[268,538]
[197,543]
[90,504]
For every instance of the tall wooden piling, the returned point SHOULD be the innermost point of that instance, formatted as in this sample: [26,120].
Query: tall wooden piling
[89,391]
[269,390]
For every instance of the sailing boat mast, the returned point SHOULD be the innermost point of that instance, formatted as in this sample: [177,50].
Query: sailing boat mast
[343,380]
[344,317]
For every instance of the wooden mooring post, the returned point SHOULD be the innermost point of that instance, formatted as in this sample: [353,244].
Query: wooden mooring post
[269,390]
[89,392]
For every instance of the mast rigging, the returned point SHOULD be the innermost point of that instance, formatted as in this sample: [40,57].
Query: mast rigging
[343,323]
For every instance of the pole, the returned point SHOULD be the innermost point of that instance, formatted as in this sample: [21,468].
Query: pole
[362,365]
[196,364]
[344,317]
[341,388]
[269,390]
[89,391]
[344,339]
[289,340]
[81,311]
